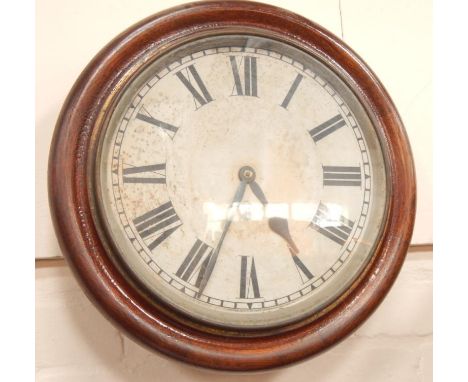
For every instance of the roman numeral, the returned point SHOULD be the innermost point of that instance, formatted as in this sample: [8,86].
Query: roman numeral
[145,116]
[155,174]
[327,128]
[157,224]
[303,271]
[248,282]
[341,176]
[250,76]
[337,229]
[292,90]
[201,96]
[196,261]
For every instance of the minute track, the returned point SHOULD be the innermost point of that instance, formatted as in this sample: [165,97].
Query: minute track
[308,287]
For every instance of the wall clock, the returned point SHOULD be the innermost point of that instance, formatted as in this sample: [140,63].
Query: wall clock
[232,185]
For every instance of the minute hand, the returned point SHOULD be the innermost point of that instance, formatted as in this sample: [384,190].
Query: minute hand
[214,256]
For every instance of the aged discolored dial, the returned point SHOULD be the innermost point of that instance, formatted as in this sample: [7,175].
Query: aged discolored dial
[241,181]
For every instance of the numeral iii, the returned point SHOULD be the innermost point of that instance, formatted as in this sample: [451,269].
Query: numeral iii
[341,176]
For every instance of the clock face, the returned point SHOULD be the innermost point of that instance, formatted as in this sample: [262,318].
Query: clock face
[241,182]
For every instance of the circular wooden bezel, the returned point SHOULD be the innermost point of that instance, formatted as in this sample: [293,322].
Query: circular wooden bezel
[82,120]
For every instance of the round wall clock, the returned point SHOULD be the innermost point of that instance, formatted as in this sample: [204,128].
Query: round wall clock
[232,185]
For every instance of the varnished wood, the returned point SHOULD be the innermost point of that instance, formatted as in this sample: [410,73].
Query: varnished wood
[415,248]
[81,122]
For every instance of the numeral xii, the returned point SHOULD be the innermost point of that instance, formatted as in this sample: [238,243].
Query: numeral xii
[249,87]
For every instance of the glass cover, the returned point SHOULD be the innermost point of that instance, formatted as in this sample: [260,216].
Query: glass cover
[241,181]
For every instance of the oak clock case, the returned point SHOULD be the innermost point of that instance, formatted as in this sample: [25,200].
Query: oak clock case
[232,185]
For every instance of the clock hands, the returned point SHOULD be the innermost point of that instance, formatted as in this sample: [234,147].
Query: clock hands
[277,225]
[257,191]
[280,227]
[246,175]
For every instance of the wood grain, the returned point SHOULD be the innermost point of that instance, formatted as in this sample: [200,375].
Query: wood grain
[71,162]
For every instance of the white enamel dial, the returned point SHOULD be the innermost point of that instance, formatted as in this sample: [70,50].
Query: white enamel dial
[241,182]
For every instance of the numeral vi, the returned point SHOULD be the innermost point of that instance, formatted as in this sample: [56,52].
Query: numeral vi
[248,280]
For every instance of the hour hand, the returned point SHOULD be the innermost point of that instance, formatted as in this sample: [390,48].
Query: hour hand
[257,191]
[277,225]
[280,227]
[246,175]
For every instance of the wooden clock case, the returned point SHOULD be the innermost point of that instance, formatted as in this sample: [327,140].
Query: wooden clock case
[84,243]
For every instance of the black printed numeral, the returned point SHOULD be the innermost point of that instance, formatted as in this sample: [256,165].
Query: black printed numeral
[158,224]
[327,128]
[153,174]
[341,176]
[303,271]
[249,87]
[292,90]
[144,115]
[248,280]
[201,95]
[195,263]
[337,229]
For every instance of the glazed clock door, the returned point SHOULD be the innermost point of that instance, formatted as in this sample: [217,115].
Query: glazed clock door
[242,182]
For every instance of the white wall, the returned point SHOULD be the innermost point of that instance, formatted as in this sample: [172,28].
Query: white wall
[393,37]
[75,343]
